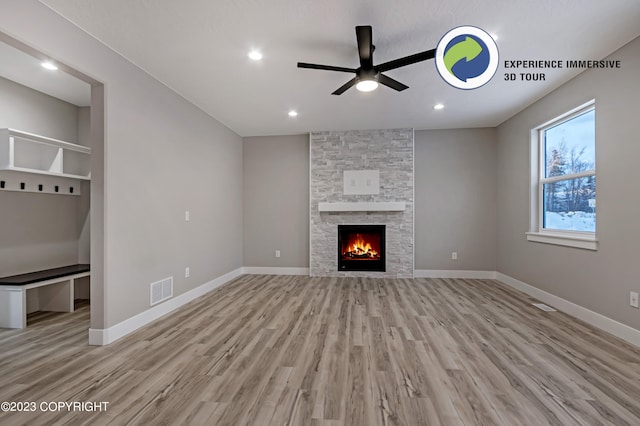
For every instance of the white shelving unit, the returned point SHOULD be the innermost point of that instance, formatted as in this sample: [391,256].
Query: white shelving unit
[61,165]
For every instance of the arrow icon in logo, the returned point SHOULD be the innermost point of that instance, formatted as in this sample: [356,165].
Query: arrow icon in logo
[467,57]
[467,49]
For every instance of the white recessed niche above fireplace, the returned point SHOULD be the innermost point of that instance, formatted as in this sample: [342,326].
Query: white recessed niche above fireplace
[361,182]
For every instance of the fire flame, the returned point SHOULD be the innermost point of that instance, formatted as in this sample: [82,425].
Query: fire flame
[360,247]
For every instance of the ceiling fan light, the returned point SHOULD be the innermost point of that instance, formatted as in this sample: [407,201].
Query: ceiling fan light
[367,85]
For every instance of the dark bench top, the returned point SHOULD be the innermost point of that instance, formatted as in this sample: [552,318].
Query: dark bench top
[48,274]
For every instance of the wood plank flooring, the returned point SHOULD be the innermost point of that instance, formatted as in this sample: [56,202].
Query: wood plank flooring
[290,350]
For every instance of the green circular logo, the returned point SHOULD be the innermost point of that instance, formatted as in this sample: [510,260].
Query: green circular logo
[467,57]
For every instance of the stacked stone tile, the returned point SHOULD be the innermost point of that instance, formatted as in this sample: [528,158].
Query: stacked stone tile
[391,152]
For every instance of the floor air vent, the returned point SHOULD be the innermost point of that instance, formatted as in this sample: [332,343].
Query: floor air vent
[161,290]
[544,307]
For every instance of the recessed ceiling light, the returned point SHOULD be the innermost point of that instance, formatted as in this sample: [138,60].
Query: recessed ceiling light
[49,65]
[255,55]
[293,113]
[438,106]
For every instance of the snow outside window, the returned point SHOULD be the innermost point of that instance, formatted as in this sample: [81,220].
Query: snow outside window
[563,168]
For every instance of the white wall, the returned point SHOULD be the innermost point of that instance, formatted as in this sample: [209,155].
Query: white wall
[597,280]
[162,156]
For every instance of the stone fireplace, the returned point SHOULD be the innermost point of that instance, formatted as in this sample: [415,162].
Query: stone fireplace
[362,178]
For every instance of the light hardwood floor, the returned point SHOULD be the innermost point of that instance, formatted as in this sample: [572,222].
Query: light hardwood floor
[326,351]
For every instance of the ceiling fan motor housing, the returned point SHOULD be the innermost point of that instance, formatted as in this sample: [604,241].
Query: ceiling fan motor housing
[371,74]
[367,72]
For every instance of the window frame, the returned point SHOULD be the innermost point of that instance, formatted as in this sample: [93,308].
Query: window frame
[537,232]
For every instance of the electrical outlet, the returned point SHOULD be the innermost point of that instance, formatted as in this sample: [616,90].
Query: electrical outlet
[277,253]
[454,255]
[187,216]
[187,272]
[633,299]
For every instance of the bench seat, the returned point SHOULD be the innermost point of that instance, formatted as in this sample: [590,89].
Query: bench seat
[47,274]
[55,289]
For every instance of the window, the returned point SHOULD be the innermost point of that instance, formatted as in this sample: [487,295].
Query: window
[563,169]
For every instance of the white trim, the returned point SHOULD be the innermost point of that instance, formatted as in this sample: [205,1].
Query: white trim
[47,140]
[587,106]
[266,270]
[413,198]
[391,206]
[534,173]
[436,273]
[571,176]
[609,325]
[98,337]
[310,201]
[587,242]
[109,335]
[537,167]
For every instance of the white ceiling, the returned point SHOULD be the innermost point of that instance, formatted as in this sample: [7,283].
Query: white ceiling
[199,49]
[25,69]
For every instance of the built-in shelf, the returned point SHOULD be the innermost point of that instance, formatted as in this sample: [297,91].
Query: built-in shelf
[29,154]
[393,206]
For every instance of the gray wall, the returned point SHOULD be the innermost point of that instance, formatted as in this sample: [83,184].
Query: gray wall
[84,204]
[162,156]
[84,125]
[22,108]
[597,280]
[276,200]
[455,196]
[37,231]
[456,199]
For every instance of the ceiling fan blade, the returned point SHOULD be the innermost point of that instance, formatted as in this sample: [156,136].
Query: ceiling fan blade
[407,60]
[365,46]
[345,86]
[389,82]
[324,67]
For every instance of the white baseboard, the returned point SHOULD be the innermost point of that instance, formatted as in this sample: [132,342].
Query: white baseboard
[470,275]
[109,335]
[266,270]
[607,324]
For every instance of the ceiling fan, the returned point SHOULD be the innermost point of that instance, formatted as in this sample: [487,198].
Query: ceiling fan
[368,75]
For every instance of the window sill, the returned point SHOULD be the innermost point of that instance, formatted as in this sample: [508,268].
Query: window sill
[586,242]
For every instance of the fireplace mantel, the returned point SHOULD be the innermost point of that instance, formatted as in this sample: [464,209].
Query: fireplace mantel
[362,207]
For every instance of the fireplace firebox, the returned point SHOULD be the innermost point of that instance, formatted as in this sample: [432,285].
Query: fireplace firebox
[361,248]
